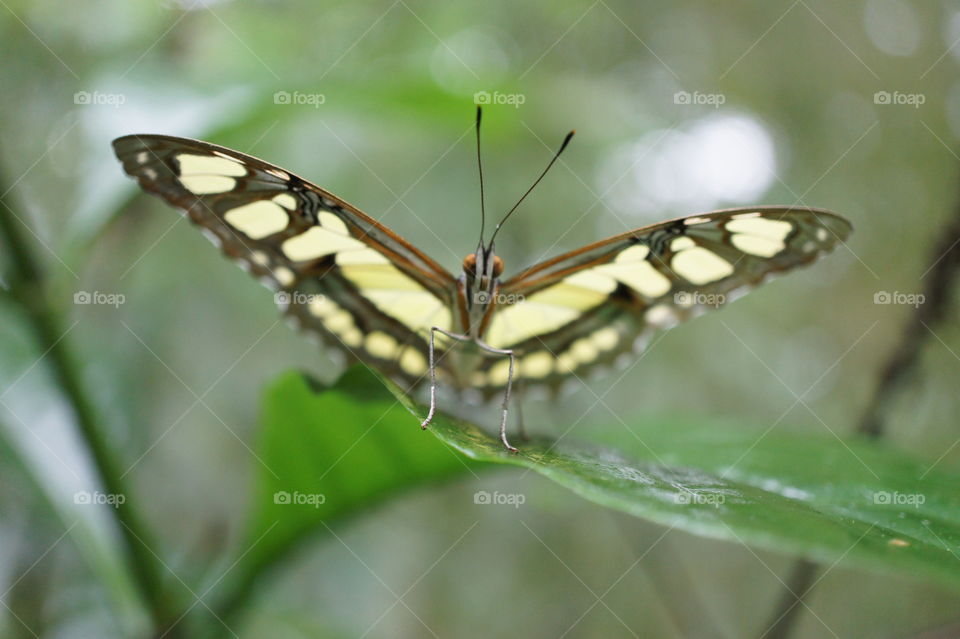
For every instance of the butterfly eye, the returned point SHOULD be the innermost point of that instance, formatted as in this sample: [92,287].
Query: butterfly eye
[497,266]
[470,265]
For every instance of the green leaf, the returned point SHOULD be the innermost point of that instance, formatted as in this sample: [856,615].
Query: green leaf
[329,455]
[822,498]
[356,444]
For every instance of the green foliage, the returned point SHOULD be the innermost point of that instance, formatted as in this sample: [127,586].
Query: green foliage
[327,456]
[818,497]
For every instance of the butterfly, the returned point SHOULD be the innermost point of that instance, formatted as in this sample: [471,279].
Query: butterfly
[375,297]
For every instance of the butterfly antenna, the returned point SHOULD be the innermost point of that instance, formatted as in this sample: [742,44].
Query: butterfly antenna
[566,141]
[483,213]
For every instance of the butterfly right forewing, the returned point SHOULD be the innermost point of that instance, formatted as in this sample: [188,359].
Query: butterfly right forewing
[585,308]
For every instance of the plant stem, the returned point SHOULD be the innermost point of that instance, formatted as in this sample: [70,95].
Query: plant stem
[27,286]
[893,376]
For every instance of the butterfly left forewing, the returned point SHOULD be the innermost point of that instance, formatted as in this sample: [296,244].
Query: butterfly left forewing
[338,273]
[588,307]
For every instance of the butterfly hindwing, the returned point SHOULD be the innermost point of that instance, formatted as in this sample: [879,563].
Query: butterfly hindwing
[338,273]
[588,307]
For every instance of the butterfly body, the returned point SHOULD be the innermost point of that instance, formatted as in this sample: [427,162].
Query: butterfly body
[373,296]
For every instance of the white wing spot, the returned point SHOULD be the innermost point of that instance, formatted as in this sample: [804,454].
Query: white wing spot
[414,363]
[591,280]
[210,165]
[700,266]
[316,242]
[286,200]
[636,253]
[773,229]
[499,372]
[566,363]
[583,351]
[537,365]
[640,276]
[284,276]
[206,184]
[382,345]
[605,338]
[756,245]
[661,316]
[690,221]
[352,337]
[681,243]
[321,307]
[258,219]
[339,321]
[333,223]
[361,256]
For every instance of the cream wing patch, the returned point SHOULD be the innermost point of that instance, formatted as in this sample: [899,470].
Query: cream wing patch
[208,174]
[330,237]
[210,165]
[258,219]
[759,236]
[700,266]
[207,184]
[540,364]
[392,291]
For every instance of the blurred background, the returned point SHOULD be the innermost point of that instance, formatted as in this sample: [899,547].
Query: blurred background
[679,108]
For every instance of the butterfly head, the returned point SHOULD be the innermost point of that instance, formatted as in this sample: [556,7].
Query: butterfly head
[481,272]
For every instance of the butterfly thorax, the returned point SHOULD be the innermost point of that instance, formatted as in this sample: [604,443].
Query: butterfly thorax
[480,283]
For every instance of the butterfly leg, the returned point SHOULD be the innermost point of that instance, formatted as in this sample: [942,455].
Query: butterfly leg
[506,394]
[521,428]
[433,371]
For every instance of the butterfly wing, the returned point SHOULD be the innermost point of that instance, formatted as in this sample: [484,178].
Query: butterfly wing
[588,307]
[339,273]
